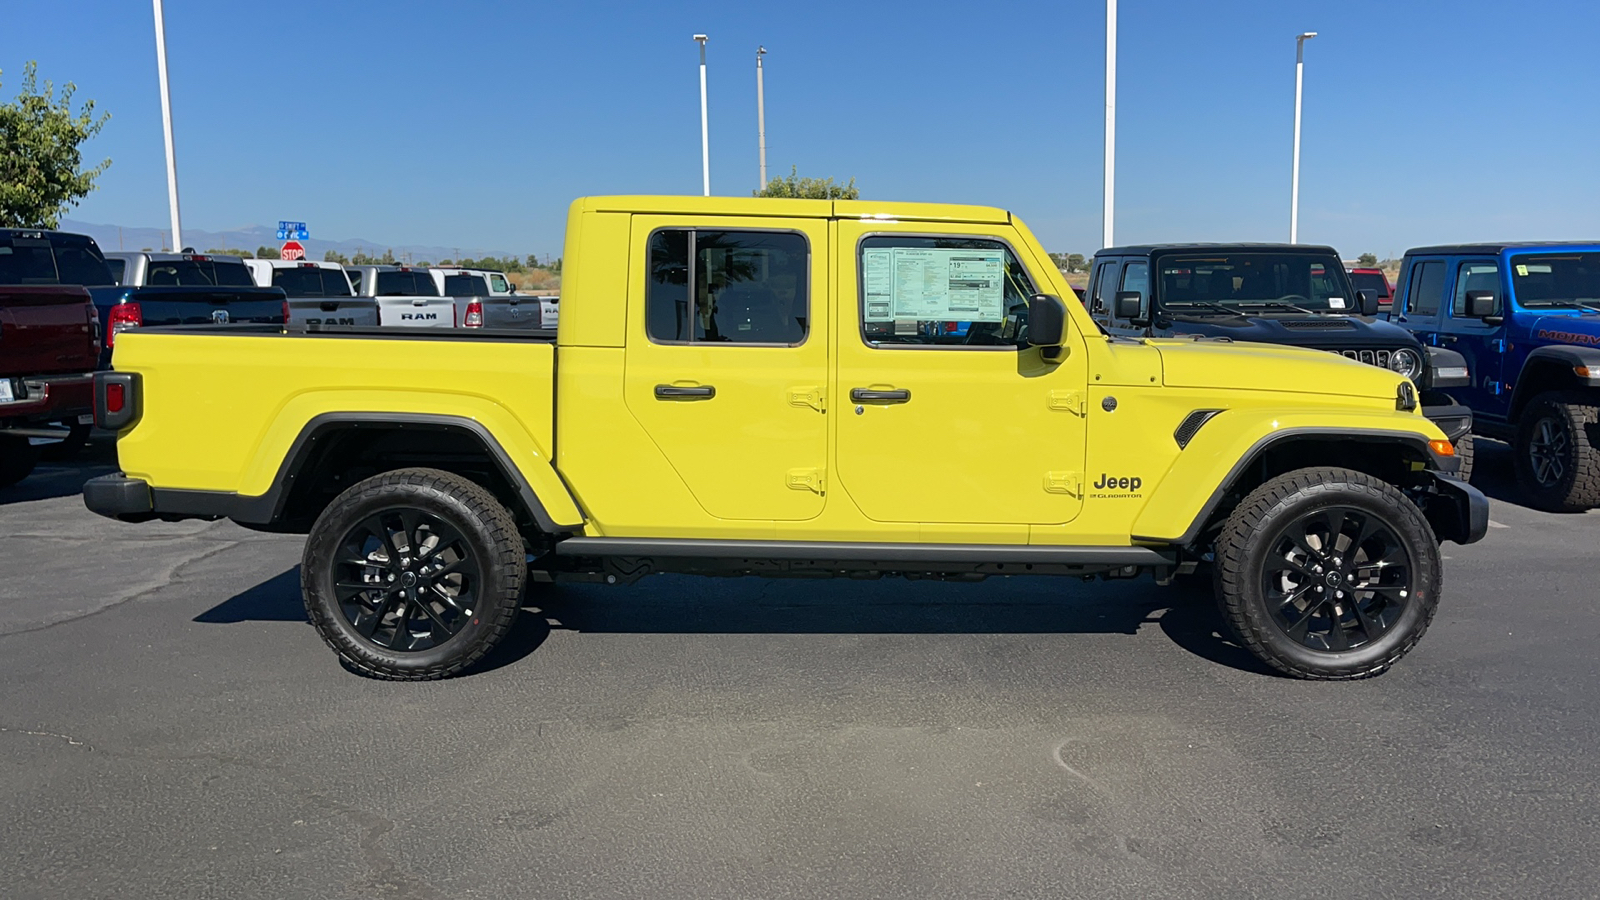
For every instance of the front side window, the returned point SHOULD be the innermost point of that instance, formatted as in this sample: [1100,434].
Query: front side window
[1474,276]
[1557,280]
[498,283]
[1261,280]
[729,287]
[1136,277]
[942,291]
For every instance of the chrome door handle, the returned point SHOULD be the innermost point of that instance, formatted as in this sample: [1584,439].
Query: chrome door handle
[675,392]
[866,395]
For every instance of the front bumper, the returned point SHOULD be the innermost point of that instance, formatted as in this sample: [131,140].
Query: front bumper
[1457,511]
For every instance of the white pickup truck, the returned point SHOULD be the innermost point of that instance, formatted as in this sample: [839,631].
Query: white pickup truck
[407,296]
[485,299]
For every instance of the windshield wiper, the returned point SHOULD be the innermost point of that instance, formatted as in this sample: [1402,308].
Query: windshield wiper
[1280,305]
[1227,310]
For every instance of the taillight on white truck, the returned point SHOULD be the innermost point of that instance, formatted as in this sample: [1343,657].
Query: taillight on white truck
[123,316]
[474,318]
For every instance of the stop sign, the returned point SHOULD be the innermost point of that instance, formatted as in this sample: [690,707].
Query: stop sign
[292,250]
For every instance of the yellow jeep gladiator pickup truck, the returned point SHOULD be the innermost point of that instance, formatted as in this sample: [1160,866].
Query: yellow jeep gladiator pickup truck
[794,387]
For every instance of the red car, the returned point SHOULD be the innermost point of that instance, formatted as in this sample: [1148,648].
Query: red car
[1374,280]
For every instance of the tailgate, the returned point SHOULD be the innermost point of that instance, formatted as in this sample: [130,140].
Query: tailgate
[504,311]
[46,330]
[332,311]
[417,312]
[208,306]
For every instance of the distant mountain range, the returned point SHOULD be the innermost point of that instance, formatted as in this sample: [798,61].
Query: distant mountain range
[118,237]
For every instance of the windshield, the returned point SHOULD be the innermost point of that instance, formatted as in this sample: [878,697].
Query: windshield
[406,284]
[1549,280]
[1250,279]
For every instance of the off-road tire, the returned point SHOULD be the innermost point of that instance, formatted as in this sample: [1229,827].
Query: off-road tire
[1264,516]
[484,526]
[17,458]
[1464,454]
[1578,487]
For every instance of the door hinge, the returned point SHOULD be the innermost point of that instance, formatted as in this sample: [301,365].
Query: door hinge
[1498,345]
[1067,401]
[805,480]
[1063,483]
[808,396]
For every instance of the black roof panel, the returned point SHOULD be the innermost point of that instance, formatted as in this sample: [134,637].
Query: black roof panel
[1494,247]
[1150,249]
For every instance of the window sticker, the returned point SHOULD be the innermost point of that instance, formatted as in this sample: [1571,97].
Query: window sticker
[924,285]
[1336,303]
[1522,270]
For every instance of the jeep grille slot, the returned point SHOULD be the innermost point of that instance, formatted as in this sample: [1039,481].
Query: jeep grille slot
[1379,358]
[1190,426]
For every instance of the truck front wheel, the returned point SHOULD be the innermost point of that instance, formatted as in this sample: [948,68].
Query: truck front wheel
[1328,574]
[1557,460]
[413,575]
[18,456]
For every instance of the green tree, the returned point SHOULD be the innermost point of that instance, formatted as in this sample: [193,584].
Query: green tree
[40,153]
[532,261]
[1076,262]
[1367,260]
[265,252]
[812,188]
[334,256]
[228,251]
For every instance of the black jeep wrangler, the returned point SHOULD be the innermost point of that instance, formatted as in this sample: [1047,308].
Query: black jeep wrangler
[1296,294]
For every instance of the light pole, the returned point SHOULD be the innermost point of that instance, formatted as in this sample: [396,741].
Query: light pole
[166,125]
[1109,214]
[705,134]
[761,116]
[1294,181]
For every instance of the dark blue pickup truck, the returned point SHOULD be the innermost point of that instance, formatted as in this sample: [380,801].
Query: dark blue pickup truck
[1526,317]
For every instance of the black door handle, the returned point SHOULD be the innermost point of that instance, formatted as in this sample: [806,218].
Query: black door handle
[330,306]
[1447,339]
[864,395]
[674,392]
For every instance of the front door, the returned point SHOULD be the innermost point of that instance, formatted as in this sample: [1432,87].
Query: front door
[727,359]
[1482,345]
[945,416]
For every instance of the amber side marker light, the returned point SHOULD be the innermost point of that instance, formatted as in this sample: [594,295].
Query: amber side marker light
[1581,371]
[1442,448]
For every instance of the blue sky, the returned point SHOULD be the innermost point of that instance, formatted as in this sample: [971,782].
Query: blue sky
[475,123]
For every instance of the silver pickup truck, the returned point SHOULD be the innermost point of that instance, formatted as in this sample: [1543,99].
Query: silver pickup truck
[406,296]
[319,293]
[484,299]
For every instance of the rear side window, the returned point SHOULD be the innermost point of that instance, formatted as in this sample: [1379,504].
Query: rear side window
[232,274]
[118,268]
[406,284]
[731,287]
[1427,286]
[1474,276]
[938,291]
[465,286]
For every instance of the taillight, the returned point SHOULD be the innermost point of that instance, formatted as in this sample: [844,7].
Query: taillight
[474,317]
[123,317]
[286,311]
[116,398]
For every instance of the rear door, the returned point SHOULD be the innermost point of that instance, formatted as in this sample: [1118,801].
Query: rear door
[727,359]
[1483,345]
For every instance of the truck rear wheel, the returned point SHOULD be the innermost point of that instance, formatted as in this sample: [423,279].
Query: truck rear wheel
[1557,457]
[1328,574]
[18,456]
[413,575]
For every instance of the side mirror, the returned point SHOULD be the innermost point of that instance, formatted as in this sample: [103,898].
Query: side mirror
[1130,305]
[1047,321]
[1482,305]
[1367,302]
[513,287]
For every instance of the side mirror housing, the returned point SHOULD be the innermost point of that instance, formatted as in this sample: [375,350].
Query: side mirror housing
[1367,302]
[1482,305]
[513,287]
[1047,321]
[1130,305]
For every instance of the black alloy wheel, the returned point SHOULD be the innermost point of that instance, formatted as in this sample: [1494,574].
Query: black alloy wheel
[1337,579]
[1549,448]
[1557,451]
[406,580]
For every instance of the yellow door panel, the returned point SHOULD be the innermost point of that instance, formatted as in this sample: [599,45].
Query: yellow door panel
[729,378]
[960,428]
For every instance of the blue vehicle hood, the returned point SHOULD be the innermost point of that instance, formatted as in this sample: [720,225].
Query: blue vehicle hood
[1317,331]
[1582,330]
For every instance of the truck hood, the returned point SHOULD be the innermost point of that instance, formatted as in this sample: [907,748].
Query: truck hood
[1230,365]
[1327,332]
[1580,330]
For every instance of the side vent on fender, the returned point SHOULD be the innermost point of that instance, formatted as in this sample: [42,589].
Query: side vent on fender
[1191,424]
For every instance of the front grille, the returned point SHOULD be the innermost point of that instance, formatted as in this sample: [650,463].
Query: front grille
[1379,358]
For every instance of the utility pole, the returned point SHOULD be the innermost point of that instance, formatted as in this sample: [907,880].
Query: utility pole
[705,134]
[761,116]
[166,125]
[1294,179]
[1109,214]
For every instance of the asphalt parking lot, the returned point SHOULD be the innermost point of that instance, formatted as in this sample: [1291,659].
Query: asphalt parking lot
[170,726]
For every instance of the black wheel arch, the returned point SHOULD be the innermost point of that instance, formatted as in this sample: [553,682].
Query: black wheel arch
[1554,368]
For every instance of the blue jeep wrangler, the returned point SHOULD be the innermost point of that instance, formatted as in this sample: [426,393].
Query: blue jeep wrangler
[1296,294]
[1526,317]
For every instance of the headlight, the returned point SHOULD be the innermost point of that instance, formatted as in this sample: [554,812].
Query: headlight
[1406,362]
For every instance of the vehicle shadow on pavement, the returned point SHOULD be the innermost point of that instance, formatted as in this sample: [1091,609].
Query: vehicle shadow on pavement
[63,478]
